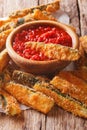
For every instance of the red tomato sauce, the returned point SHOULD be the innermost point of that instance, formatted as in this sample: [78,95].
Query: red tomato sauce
[46,34]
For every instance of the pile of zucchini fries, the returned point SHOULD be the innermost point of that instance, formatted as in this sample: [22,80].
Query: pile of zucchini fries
[68,90]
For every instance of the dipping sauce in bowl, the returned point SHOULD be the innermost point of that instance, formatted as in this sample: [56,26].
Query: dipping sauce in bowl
[43,31]
[46,34]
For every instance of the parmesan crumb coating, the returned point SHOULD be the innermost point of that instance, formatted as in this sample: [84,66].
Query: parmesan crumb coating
[30,97]
[62,100]
[4,59]
[71,89]
[9,104]
[50,7]
[3,37]
[55,51]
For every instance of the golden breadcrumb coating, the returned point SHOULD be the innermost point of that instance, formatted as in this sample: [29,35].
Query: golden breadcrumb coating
[62,100]
[27,79]
[27,13]
[74,80]
[9,104]
[53,6]
[42,15]
[4,59]
[81,73]
[83,42]
[50,7]
[72,90]
[55,51]
[3,37]
[30,97]
[4,77]
[83,51]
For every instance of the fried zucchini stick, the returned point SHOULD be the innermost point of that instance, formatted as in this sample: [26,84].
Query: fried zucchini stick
[22,16]
[3,37]
[4,21]
[55,51]
[4,77]
[6,29]
[63,100]
[81,73]
[37,15]
[27,78]
[83,42]
[80,84]
[30,97]
[83,50]
[15,23]
[42,15]
[4,59]
[51,7]
[70,89]
[8,104]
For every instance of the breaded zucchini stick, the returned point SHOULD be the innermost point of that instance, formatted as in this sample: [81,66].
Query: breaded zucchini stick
[80,84]
[55,51]
[4,59]
[6,29]
[4,20]
[13,24]
[37,15]
[30,97]
[63,100]
[83,42]
[70,89]
[3,37]
[83,50]
[51,7]
[26,78]
[4,77]
[19,16]
[81,73]
[79,64]
[42,15]
[8,104]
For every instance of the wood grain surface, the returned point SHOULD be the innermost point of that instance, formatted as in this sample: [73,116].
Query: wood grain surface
[57,118]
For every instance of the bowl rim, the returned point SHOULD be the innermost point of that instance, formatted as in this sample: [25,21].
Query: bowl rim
[18,29]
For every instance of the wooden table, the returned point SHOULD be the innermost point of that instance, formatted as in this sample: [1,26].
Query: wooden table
[56,119]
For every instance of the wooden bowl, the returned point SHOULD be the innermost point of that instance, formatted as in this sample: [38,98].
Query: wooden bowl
[39,67]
